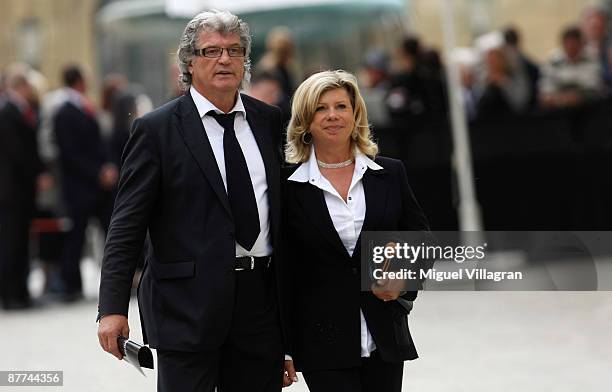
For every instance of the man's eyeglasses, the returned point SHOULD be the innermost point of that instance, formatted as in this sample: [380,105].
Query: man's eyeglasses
[214,52]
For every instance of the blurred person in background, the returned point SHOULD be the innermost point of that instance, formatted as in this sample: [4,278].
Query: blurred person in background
[51,216]
[112,86]
[500,89]
[122,103]
[435,84]
[21,173]
[466,76]
[344,339]
[51,102]
[417,92]
[466,59]
[499,95]
[375,70]
[48,227]
[174,87]
[521,64]
[87,175]
[278,59]
[595,27]
[407,99]
[570,77]
[374,83]
[267,87]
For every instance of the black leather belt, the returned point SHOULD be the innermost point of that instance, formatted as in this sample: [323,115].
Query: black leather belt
[251,262]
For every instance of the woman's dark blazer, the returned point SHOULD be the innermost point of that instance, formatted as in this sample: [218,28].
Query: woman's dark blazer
[324,282]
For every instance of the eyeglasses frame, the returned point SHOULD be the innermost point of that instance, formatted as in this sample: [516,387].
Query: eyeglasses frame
[200,52]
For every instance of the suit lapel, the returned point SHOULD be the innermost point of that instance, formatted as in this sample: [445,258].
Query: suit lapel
[189,125]
[313,202]
[260,127]
[376,189]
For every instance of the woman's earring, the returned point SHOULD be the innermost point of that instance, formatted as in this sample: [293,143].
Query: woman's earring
[354,134]
[307,138]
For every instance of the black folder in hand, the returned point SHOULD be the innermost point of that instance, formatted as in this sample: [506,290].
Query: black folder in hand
[136,354]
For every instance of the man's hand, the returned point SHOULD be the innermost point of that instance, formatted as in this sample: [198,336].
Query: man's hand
[569,98]
[44,182]
[289,377]
[111,326]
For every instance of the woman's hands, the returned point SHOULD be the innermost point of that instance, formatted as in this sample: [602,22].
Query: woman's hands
[388,290]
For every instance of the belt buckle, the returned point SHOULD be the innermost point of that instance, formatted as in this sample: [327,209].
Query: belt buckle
[251,267]
[240,268]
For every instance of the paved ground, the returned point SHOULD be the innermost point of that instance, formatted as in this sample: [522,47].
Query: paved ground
[468,341]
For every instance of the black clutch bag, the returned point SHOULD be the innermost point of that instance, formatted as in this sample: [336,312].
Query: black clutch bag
[138,355]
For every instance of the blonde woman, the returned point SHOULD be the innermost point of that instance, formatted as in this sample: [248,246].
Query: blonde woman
[343,339]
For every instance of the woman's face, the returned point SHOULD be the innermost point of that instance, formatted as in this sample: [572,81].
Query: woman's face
[334,120]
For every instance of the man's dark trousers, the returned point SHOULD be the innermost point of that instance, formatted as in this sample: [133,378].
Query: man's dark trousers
[251,357]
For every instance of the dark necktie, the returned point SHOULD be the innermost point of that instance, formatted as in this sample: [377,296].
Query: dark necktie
[239,187]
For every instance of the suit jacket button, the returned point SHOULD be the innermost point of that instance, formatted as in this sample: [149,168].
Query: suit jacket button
[354,270]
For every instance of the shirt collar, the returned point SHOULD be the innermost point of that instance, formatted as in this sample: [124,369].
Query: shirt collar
[363,161]
[204,105]
[309,171]
[75,97]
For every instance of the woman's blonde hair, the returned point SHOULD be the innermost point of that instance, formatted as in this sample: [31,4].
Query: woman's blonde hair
[304,105]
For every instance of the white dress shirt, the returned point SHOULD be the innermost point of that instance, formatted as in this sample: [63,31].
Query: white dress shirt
[255,164]
[347,216]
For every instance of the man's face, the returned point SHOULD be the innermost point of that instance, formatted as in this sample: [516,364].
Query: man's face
[595,26]
[572,47]
[267,90]
[495,61]
[27,92]
[220,75]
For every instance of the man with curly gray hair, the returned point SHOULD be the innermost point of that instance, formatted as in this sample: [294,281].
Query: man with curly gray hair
[224,22]
[200,175]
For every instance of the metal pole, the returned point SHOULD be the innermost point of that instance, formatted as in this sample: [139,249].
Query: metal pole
[469,211]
